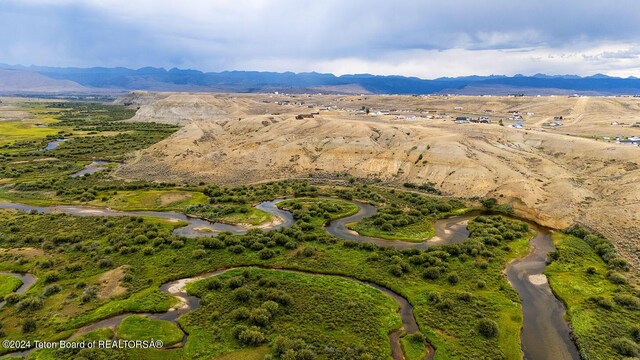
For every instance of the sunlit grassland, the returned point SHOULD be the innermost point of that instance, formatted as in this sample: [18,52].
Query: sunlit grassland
[149,199]
[579,278]
[8,284]
[137,327]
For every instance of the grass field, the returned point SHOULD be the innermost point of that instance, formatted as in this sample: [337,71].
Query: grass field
[137,327]
[418,232]
[305,313]
[149,200]
[8,284]
[596,313]
[15,131]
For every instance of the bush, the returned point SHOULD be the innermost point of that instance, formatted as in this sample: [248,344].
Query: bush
[241,313]
[431,273]
[235,282]
[198,254]
[625,347]
[602,301]
[271,306]
[260,317]
[617,278]
[29,326]
[52,289]
[242,294]
[30,304]
[628,301]
[308,252]
[465,296]
[481,284]
[453,278]
[104,263]
[266,254]
[488,328]
[12,298]
[210,243]
[236,249]
[591,270]
[635,333]
[251,336]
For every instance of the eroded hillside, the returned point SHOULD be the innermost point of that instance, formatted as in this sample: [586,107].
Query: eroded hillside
[554,178]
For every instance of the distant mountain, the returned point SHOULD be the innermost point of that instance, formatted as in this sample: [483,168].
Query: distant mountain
[19,81]
[17,78]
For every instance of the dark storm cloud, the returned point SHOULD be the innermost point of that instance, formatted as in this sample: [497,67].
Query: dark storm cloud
[305,34]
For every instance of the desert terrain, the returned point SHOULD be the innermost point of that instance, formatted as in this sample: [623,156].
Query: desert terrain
[556,175]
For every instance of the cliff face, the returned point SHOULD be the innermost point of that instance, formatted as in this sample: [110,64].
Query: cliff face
[554,178]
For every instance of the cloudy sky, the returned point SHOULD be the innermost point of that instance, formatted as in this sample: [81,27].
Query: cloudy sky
[422,38]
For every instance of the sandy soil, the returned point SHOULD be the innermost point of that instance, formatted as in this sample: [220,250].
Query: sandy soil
[110,283]
[26,252]
[554,178]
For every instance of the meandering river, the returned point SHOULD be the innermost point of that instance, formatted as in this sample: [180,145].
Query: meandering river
[545,333]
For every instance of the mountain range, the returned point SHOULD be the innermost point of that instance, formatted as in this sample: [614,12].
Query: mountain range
[18,79]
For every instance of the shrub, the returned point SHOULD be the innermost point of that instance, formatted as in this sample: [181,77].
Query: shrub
[29,326]
[252,336]
[271,306]
[242,294]
[260,317]
[236,249]
[12,298]
[431,273]
[30,304]
[591,270]
[617,278]
[488,328]
[241,313]
[465,296]
[210,243]
[308,252]
[104,263]
[51,277]
[628,301]
[52,289]
[198,254]
[266,254]
[602,301]
[625,347]
[417,338]
[213,284]
[481,284]
[235,282]
[635,333]
[453,278]
[619,264]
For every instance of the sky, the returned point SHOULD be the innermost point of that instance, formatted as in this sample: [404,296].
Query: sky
[426,39]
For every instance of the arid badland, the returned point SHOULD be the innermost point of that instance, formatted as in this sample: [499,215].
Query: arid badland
[557,175]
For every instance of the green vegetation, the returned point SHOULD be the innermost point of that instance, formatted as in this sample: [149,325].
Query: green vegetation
[323,209]
[8,284]
[149,199]
[137,327]
[81,250]
[93,268]
[409,218]
[413,346]
[604,314]
[298,313]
